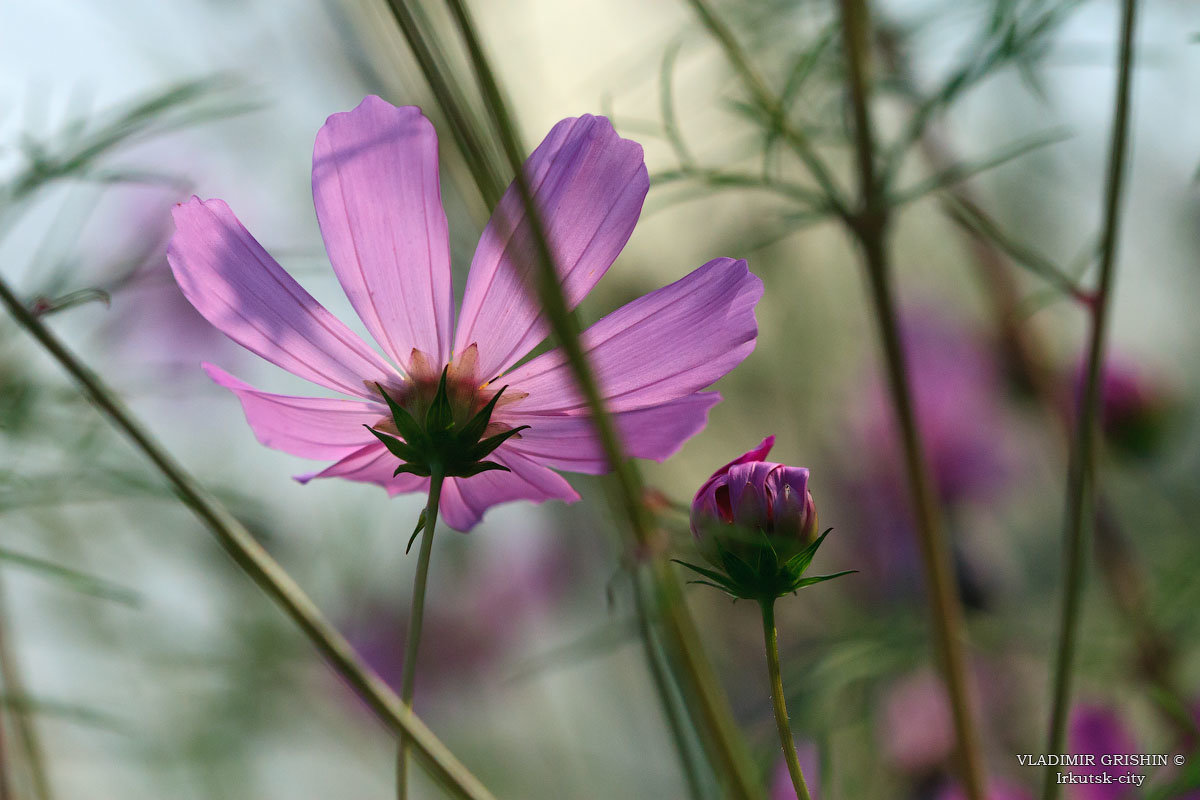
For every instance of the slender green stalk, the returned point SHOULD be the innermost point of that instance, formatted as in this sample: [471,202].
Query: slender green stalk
[871,228]
[770,103]
[250,556]
[416,617]
[450,98]
[1079,501]
[715,716]
[14,686]
[771,640]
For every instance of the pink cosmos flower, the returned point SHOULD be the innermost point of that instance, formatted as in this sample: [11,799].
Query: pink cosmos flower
[378,202]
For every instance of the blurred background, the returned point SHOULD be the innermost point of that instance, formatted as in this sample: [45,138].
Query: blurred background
[138,662]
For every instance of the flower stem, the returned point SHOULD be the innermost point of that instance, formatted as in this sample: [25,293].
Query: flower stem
[870,227]
[416,617]
[771,640]
[1084,440]
[711,709]
[20,711]
[256,562]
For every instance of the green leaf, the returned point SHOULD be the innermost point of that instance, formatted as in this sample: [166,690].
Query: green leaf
[420,527]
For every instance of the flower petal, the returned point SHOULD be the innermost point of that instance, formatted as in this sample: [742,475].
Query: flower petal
[464,500]
[239,288]
[663,346]
[371,463]
[589,184]
[379,205]
[309,427]
[569,441]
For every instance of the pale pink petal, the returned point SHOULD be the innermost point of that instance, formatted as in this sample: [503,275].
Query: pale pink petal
[589,185]
[372,463]
[663,346]
[236,286]
[570,443]
[465,499]
[309,427]
[379,205]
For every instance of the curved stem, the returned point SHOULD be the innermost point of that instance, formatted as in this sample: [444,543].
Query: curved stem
[1084,440]
[870,228]
[708,703]
[416,617]
[256,562]
[771,639]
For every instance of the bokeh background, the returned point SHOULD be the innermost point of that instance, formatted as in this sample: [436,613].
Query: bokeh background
[148,666]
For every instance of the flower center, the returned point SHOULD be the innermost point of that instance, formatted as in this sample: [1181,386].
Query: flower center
[466,393]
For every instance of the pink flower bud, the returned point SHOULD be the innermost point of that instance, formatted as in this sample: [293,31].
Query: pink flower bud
[749,497]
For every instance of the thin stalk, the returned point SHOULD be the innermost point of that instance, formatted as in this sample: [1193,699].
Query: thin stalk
[1081,457]
[463,127]
[770,103]
[664,686]
[20,712]
[1025,356]
[250,556]
[771,641]
[871,227]
[713,710]
[416,617]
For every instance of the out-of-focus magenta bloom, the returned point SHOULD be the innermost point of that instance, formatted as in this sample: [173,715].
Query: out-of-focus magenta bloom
[378,201]
[956,384]
[1097,730]
[810,765]
[917,727]
[494,599]
[753,494]
[996,790]
[1135,406]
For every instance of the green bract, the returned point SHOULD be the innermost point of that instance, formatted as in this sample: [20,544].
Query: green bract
[755,571]
[440,445]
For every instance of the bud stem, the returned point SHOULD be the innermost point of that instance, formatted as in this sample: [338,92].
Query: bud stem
[415,619]
[771,639]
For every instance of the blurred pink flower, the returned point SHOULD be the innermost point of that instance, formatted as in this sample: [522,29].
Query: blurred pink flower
[753,493]
[997,790]
[917,729]
[810,765]
[497,598]
[378,202]
[957,389]
[1097,730]
[1135,405]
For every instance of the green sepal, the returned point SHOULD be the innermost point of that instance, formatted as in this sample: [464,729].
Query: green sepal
[489,444]
[440,416]
[399,449]
[416,530]
[410,430]
[802,582]
[412,468]
[478,423]
[478,467]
